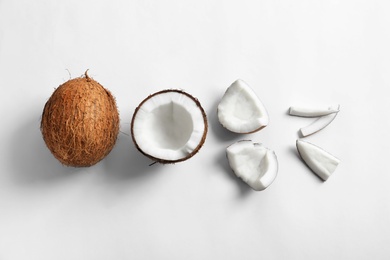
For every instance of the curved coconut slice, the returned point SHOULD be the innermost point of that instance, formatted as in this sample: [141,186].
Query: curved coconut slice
[240,110]
[312,111]
[320,123]
[253,163]
[318,160]
[169,126]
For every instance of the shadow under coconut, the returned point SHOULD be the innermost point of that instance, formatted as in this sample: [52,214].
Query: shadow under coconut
[218,130]
[30,160]
[223,162]
[294,151]
[125,162]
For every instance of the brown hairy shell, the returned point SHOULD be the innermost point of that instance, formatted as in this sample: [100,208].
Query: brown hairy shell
[80,122]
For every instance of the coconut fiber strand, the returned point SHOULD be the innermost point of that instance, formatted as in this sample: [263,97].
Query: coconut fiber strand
[80,122]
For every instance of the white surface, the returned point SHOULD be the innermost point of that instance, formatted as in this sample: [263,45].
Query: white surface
[290,52]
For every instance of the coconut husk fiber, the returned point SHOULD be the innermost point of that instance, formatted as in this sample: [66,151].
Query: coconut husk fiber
[80,122]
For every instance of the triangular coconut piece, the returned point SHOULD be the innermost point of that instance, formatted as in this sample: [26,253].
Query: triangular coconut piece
[240,110]
[318,160]
[169,126]
[255,164]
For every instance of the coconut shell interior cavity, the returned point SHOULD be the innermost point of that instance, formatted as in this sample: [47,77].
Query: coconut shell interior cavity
[169,126]
[80,122]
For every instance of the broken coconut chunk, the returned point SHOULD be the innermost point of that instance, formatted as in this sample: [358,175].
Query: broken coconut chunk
[318,160]
[312,111]
[169,126]
[253,163]
[320,123]
[240,110]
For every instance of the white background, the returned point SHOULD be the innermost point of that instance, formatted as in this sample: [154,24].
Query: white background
[300,52]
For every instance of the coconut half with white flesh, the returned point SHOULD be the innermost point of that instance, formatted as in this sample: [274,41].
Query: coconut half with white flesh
[240,110]
[318,160]
[169,126]
[255,164]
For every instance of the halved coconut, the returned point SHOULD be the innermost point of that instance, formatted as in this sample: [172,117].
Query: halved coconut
[318,160]
[240,110]
[169,126]
[253,163]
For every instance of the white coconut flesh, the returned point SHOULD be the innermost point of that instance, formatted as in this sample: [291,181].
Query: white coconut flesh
[313,111]
[255,164]
[320,123]
[169,126]
[318,160]
[240,110]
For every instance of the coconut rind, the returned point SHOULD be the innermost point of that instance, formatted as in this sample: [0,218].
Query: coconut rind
[80,122]
[194,151]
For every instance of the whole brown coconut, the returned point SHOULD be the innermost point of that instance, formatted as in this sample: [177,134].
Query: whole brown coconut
[80,122]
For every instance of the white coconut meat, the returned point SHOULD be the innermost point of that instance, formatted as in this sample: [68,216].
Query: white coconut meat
[320,123]
[318,160]
[169,126]
[313,111]
[255,164]
[240,110]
